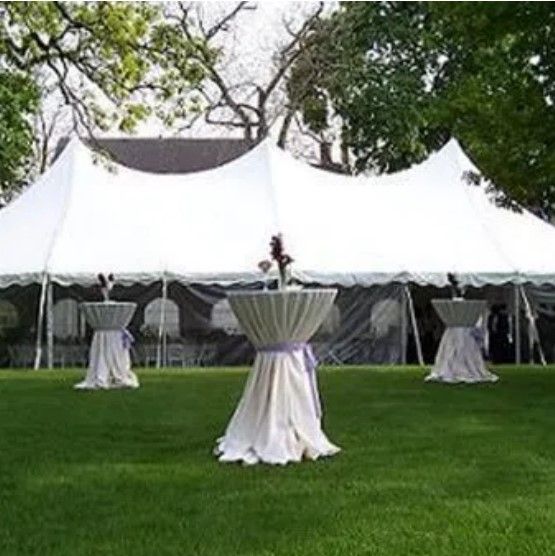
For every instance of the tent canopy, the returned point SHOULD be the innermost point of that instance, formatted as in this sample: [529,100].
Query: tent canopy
[82,217]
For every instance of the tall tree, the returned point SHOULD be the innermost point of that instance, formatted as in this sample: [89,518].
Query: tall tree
[242,100]
[106,60]
[19,99]
[404,76]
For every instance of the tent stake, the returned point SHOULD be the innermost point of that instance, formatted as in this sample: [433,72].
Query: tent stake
[40,318]
[414,324]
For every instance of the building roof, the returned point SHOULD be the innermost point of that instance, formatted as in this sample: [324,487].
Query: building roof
[169,155]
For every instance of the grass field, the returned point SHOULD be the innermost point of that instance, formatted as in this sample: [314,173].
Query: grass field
[426,469]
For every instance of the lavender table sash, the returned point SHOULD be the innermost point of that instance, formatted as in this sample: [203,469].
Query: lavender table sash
[475,332]
[310,365]
[127,338]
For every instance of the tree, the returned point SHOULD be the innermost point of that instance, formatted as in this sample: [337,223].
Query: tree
[369,64]
[236,100]
[106,60]
[499,99]
[405,76]
[19,99]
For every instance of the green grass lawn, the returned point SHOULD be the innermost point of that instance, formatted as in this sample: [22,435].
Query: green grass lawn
[426,469]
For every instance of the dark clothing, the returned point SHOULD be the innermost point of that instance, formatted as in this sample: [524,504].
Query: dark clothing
[499,335]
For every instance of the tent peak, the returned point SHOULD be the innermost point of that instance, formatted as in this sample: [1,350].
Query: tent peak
[454,150]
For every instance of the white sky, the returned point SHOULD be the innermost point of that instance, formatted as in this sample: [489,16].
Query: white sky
[247,48]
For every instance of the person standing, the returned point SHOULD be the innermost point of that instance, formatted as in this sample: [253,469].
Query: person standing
[499,330]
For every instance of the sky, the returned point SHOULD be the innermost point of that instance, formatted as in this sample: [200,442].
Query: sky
[249,45]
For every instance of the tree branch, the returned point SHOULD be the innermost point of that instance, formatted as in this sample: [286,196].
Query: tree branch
[222,24]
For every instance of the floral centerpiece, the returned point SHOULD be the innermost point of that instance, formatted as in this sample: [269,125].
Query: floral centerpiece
[281,258]
[106,285]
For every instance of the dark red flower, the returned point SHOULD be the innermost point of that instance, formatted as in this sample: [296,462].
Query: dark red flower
[282,259]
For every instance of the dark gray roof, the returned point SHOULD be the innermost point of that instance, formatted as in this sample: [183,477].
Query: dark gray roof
[170,155]
[178,155]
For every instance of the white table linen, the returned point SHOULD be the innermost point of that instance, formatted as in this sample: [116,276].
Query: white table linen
[278,417]
[459,356]
[109,360]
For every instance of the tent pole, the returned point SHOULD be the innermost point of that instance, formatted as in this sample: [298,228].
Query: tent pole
[49,325]
[533,332]
[40,318]
[517,325]
[414,324]
[404,328]
[82,325]
[164,331]
[163,319]
[161,355]
[485,345]
[530,342]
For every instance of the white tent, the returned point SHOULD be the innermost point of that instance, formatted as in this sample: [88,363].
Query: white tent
[83,217]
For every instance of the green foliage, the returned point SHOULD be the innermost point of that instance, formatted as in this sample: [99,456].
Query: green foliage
[114,63]
[18,101]
[404,76]
[371,64]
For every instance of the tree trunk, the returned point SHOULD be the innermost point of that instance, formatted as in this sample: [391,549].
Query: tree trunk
[325,155]
[345,162]
[285,128]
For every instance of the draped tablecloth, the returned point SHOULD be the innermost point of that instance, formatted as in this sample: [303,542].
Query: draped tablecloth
[109,360]
[278,417]
[459,356]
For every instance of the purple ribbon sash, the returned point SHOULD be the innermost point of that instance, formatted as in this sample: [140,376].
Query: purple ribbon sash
[310,362]
[478,334]
[127,339]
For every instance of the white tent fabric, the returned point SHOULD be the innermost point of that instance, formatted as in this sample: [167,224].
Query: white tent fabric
[82,217]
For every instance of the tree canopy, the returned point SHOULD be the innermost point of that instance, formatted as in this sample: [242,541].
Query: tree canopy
[405,76]
[107,60]
[18,98]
